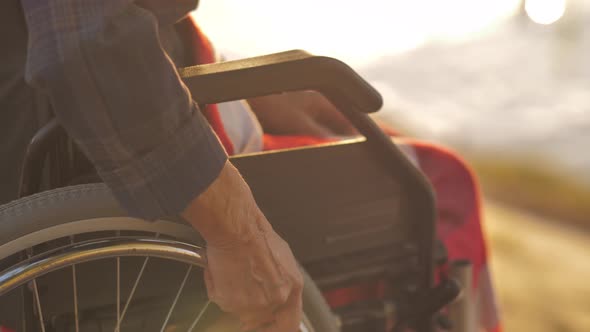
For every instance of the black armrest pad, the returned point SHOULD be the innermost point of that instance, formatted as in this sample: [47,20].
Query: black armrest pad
[281,72]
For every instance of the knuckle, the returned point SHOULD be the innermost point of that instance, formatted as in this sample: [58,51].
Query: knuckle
[224,305]
[298,283]
[260,302]
[280,296]
[231,302]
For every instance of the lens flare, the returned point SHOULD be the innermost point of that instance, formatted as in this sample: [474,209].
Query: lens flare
[545,11]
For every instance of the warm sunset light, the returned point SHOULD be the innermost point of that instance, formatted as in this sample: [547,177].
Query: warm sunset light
[355,31]
[545,11]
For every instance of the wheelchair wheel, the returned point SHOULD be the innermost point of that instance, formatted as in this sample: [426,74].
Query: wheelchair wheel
[73,261]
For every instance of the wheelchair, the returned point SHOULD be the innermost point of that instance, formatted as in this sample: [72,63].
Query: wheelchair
[358,215]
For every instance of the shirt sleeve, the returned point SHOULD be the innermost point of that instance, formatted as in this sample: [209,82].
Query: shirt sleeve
[118,95]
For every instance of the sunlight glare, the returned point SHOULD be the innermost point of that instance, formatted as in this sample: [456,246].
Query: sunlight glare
[356,32]
[545,11]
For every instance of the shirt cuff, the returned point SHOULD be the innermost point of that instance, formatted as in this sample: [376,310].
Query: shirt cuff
[165,180]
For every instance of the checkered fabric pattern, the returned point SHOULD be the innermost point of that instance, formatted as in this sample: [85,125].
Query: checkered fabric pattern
[117,93]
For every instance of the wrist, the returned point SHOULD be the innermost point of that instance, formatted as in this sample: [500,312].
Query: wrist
[226,213]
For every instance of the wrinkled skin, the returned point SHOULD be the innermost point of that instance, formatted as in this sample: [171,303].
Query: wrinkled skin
[251,271]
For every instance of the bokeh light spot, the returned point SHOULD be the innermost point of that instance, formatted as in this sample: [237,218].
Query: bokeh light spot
[545,11]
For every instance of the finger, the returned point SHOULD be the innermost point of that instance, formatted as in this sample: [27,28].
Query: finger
[342,128]
[288,317]
[311,127]
[337,123]
[277,294]
[329,116]
[256,321]
[262,315]
[274,273]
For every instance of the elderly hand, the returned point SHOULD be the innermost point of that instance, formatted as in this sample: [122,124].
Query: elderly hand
[251,271]
[300,113]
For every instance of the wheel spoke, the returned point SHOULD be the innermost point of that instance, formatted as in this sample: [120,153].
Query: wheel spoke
[29,273]
[38,304]
[36,293]
[26,301]
[188,271]
[137,279]
[122,316]
[199,316]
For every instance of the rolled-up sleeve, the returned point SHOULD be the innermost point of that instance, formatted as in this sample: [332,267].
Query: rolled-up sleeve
[119,96]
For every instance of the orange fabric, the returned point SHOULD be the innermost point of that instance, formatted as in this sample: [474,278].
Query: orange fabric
[459,223]
[278,142]
[341,297]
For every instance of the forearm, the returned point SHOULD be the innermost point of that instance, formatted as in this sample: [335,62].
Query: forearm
[118,95]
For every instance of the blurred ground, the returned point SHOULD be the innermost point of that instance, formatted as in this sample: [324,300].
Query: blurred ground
[541,270]
[535,185]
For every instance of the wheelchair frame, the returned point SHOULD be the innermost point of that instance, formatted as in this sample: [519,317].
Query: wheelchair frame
[383,179]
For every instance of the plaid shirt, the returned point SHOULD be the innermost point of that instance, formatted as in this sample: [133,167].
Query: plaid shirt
[117,93]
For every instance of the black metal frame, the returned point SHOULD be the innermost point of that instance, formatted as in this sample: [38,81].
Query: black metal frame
[51,153]
[51,160]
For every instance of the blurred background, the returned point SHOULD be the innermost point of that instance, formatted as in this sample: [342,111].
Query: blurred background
[505,82]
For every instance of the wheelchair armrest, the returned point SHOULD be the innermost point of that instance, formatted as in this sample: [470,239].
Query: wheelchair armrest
[281,72]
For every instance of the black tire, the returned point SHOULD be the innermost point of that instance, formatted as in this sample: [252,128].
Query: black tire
[91,208]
